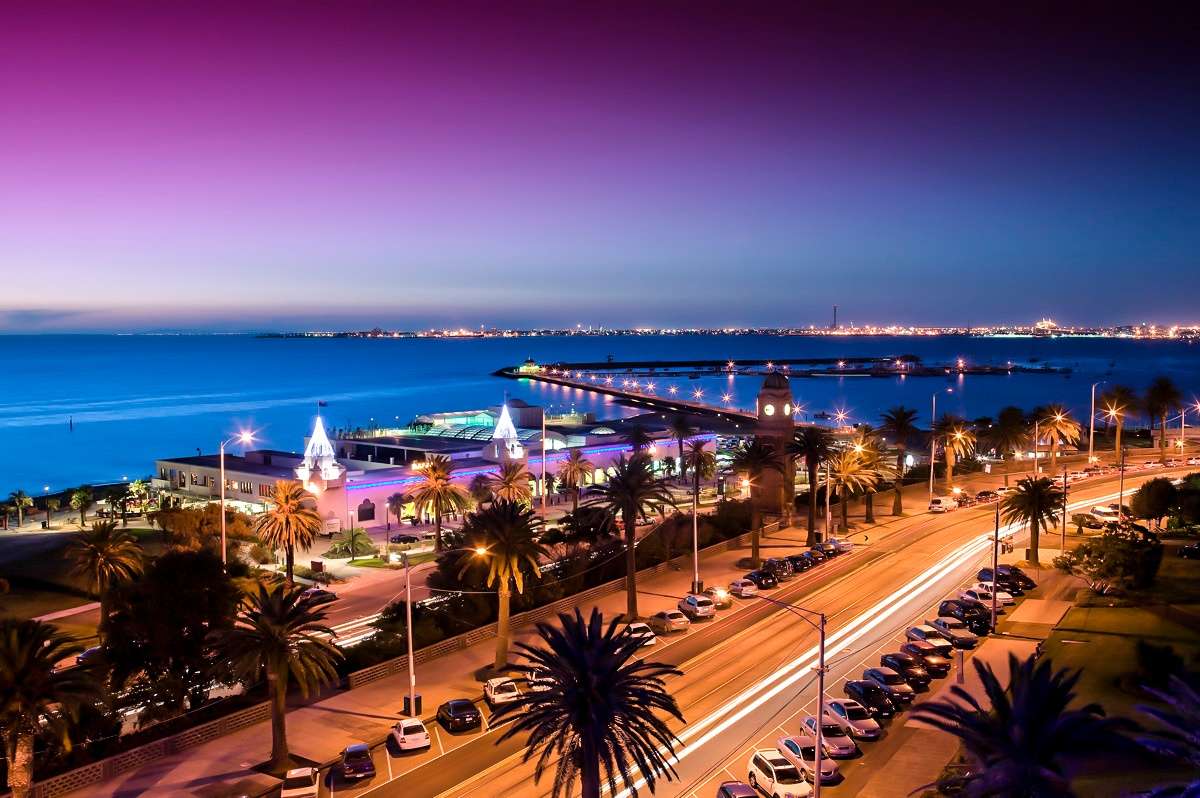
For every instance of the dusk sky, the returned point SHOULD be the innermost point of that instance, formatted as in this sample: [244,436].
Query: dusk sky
[295,165]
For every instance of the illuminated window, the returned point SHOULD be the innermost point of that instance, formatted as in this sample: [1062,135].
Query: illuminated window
[769,410]
[787,409]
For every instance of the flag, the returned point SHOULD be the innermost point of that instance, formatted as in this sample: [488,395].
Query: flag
[322,404]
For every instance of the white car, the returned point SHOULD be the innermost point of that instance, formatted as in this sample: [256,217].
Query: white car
[501,690]
[841,544]
[955,631]
[932,636]
[1004,491]
[974,595]
[743,588]
[1002,596]
[301,783]
[669,621]
[642,633]
[538,681]
[1075,476]
[697,606]
[771,774]
[942,504]
[410,734]
[1106,512]
[801,751]
[836,742]
[855,719]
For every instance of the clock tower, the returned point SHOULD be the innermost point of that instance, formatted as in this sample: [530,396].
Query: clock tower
[775,427]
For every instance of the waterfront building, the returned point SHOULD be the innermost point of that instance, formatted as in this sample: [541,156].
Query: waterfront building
[775,426]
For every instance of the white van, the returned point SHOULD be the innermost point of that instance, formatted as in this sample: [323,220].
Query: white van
[942,504]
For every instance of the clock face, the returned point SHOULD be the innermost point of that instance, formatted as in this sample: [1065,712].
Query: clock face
[769,410]
[787,409]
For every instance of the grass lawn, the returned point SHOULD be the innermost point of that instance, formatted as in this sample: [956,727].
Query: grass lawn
[376,562]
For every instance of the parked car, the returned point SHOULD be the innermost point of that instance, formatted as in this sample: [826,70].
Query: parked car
[501,690]
[357,762]
[843,545]
[987,496]
[977,619]
[891,683]
[871,696]
[1003,597]
[743,588]
[405,537]
[1012,573]
[837,742]
[975,595]
[1106,512]
[942,504]
[765,580]
[696,607]
[719,596]
[816,554]
[410,734]
[669,621]
[319,592]
[855,719]
[459,714]
[538,680]
[301,783]
[642,633]
[779,567]
[775,776]
[955,631]
[800,563]
[829,548]
[937,663]
[931,636]
[736,789]
[1190,552]
[801,752]
[1006,581]
[909,667]
[965,499]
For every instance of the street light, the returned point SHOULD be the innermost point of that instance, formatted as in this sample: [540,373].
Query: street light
[807,615]
[1092,425]
[243,438]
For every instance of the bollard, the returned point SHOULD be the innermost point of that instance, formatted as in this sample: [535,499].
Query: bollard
[961,672]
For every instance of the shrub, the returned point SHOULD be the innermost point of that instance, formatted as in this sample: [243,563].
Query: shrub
[261,554]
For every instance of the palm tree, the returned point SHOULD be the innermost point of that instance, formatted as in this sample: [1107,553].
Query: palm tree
[509,531]
[438,494]
[280,632]
[1118,403]
[82,499]
[1020,742]
[850,474]
[1037,501]
[681,428]
[511,483]
[395,505]
[752,460]
[480,489]
[1010,433]
[1162,397]
[573,472]
[1177,739]
[601,712]
[117,498]
[958,441]
[899,423]
[866,445]
[815,445]
[354,540]
[639,438]
[51,505]
[1057,424]
[291,522]
[20,500]
[104,557]
[36,696]
[631,491]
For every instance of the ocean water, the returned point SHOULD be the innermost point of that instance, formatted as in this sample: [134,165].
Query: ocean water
[77,409]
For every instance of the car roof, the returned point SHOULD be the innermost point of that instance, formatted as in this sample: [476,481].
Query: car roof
[924,627]
[358,748]
[460,703]
[743,790]
[499,680]
[800,739]
[296,773]
[883,670]
[772,755]
[922,645]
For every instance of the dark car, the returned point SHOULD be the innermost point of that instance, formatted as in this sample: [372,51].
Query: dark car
[976,617]
[764,579]
[986,496]
[405,537]
[935,664]
[816,553]
[736,789]
[800,563]
[1006,581]
[908,667]
[780,567]
[1012,573]
[967,500]
[1190,552]
[357,762]
[871,696]
[459,714]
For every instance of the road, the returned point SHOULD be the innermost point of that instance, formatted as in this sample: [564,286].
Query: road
[748,675]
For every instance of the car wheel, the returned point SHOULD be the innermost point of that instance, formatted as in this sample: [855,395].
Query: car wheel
[753,781]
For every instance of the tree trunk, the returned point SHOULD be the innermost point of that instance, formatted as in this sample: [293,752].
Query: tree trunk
[102,630]
[1033,540]
[844,503]
[812,505]
[279,748]
[898,499]
[502,627]
[589,770]
[437,531]
[631,607]
[869,507]
[1162,439]
[574,499]
[289,553]
[949,467]
[755,534]
[20,772]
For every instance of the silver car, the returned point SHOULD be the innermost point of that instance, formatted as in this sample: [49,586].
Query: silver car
[955,631]
[855,719]
[668,621]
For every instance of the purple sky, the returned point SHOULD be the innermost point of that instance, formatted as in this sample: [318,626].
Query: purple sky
[170,165]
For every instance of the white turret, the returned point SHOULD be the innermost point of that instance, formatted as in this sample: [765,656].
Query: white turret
[319,457]
[505,445]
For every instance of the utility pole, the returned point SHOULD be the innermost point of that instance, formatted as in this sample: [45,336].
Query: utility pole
[995,565]
[932,445]
[1064,512]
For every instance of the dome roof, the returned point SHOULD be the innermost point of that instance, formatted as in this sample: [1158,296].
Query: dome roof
[776,381]
[603,431]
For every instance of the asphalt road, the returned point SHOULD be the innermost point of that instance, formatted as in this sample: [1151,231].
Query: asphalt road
[747,675]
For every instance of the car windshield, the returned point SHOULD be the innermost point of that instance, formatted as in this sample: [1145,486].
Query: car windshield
[357,756]
[891,678]
[703,602]
[459,707]
[297,782]
[786,774]
[831,730]
[857,713]
[505,687]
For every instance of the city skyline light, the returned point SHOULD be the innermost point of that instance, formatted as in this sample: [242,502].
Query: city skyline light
[300,166]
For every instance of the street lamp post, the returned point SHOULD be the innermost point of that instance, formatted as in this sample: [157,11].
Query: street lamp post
[243,438]
[1064,512]
[806,615]
[697,585]
[1092,424]
[1037,467]
[995,566]
[932,445]
[1121,488]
